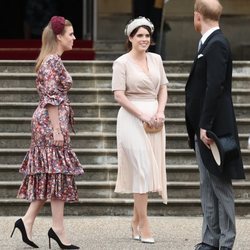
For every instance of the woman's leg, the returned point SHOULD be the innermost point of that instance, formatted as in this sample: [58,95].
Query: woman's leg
[30,215]
[135,222]
[141,206]
[57,209]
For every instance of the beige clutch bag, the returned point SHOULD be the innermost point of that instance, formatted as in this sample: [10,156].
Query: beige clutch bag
[149,129]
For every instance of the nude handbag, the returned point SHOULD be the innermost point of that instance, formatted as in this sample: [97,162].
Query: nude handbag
[149,129]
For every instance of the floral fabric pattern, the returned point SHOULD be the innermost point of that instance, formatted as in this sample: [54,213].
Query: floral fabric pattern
[49,170]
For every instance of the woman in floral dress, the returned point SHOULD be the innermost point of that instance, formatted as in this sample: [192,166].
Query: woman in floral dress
[50,165]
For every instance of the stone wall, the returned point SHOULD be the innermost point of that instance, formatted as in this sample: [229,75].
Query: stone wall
[185,7]
[180,43]
[111,19]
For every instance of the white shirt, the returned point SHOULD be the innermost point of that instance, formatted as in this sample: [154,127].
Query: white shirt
[208,33]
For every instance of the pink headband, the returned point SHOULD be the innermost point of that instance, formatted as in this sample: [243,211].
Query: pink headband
[57,24]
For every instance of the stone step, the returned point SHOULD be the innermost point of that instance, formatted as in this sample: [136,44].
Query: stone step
[109,156]
[80,80]
[119,207]
[102,95]
[100,156]
[105,189]
[92,124]
[95,112]
[27,66]
[82,124]
[110,206]
[103,80]
[99,140]
[173,110]
[108,55]
[175,173]
[99,66]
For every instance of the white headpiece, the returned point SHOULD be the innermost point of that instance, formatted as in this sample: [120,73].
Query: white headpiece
[137,22]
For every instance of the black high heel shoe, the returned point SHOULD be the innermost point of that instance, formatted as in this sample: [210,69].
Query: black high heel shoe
[53,235]
[19,224]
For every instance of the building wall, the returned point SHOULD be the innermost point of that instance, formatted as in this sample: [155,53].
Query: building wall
[112,17]
[185,7]
[180,42]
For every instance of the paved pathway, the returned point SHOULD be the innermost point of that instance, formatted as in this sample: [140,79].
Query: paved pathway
[108,233]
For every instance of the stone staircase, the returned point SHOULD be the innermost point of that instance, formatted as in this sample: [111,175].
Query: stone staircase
[95,140]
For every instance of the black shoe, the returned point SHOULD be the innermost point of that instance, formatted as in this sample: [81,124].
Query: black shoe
[19,224]
[225,248]
[204,246]
[52,234]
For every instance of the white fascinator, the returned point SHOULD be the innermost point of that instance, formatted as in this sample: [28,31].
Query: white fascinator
[137,22]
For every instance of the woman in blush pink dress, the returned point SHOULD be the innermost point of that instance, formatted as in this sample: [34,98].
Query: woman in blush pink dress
[50,165]
[139,85]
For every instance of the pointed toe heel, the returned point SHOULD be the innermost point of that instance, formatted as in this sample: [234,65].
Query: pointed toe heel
[148,240]
[19,224]
[53,235]
[135,236]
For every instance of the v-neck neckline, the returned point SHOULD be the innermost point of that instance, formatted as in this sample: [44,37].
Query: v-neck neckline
[147,62]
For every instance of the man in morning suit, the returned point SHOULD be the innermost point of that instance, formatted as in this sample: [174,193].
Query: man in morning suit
[209,107]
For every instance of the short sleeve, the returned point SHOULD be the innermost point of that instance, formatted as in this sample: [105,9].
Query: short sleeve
[51,78]
[119,76]
[163,76]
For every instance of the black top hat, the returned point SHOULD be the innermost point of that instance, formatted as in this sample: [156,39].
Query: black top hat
[224,148]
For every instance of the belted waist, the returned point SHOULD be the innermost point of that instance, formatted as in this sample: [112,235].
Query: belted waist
[142,99]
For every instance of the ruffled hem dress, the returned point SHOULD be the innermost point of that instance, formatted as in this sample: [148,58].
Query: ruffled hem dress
[141,155]
[49,171]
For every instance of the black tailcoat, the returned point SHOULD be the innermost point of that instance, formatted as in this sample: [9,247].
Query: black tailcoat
[209,101]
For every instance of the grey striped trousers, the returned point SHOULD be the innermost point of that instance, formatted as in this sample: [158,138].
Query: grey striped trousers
[217,200]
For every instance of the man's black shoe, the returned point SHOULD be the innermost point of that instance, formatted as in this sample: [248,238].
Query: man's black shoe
[204,246]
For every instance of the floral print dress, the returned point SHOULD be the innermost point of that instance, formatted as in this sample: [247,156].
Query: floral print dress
[49,170]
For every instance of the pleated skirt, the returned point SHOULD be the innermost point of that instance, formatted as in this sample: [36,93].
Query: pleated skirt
[141,155]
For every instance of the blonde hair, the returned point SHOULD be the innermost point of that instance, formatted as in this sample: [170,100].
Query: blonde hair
[49,43]
[210,9]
